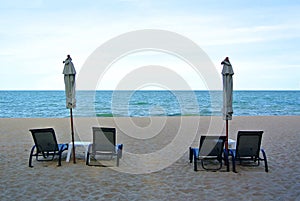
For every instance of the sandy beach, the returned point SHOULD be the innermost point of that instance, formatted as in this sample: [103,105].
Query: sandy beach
[154,165]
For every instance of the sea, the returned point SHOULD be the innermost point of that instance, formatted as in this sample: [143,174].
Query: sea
[52,104]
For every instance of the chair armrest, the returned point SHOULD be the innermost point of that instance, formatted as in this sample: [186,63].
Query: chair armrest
[63,147]
[120,150]
[120,146]
[89,148]
[232,152]
[195,152]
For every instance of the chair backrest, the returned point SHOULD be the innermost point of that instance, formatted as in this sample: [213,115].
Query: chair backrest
[44,139]
[211,145]
[104,139]
[248,143]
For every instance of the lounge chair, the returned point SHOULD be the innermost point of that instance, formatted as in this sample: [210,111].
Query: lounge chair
[211,148]
[46,146]
[104,144]
[248,149]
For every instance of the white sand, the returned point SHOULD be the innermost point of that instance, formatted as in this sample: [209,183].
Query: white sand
[178,181]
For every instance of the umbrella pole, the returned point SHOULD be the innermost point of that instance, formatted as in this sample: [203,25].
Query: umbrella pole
[226,141]
[226,146]
[72,133]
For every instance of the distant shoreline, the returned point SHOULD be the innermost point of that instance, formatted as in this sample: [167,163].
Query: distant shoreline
[109,90]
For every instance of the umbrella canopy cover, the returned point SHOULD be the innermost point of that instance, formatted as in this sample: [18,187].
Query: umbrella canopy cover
[69,78]
[227,73]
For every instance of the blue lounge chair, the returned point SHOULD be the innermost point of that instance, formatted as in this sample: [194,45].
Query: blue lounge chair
[248,149]
[211,148]
[104,144]
[46,145]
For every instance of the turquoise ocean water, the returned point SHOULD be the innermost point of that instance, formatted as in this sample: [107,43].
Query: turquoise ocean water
[51,104]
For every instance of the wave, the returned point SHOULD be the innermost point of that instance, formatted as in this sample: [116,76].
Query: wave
[105,115]
[140,103]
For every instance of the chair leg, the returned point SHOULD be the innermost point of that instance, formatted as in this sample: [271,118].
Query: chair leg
[226,153]
[119,154]
[118,160]
[62,149]
[265,160]
[87,162]
[121,150]
[233,161]
[191,154]
[30,157]
[233,165]
[195,161]
[59,157]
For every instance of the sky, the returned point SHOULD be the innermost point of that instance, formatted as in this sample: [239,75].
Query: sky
[261,38]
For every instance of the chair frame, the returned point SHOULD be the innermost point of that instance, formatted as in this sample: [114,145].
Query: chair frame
[47,151]
[254,157]
[195,153]
[114,150]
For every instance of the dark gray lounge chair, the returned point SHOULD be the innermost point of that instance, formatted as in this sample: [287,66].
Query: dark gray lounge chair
[104,144]
[211,148]
[248,149]
[46,145]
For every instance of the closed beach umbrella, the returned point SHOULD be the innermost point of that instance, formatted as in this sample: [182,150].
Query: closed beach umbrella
[227,73]
[69,78]
[227,110]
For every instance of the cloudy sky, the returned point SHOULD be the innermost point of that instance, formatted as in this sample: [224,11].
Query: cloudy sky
[261,38]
